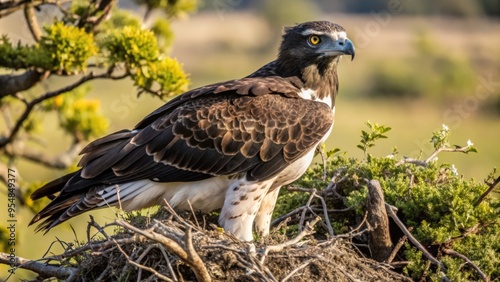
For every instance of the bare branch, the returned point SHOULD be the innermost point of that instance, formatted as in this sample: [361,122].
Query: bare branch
[31,105]
[464,150]
[185,253]
[12,84]
[46,270]
[292,273]
[398,246]
[61,161]
[488,191]
[9,7]
[29,14]
[466,259]
[406,160]
[380,237]
[390,211]
[138,265]
[290,214]
[276,248]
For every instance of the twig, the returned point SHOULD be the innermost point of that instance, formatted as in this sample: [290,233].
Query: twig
[325,214]
[138,265]
[300,267]
[390,211]
[398,246]
[288,215]
[187,254]
[466,259]
[407,160]
[323,159]
[490,188]
[445,149]
[303,214]
[276,248]
[164,253]
[193,213]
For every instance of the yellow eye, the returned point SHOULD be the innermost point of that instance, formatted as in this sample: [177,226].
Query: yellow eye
[314,39]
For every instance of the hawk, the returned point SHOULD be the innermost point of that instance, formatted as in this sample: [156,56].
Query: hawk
[228,146]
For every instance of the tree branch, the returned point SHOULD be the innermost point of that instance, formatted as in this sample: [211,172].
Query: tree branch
[488,191]
[466,259]
[185,253]
[46,270]
[61,161]
[29,14]
[12,84]
[31,105]
[390,211]
[464,150]
[380,237]
[276,248]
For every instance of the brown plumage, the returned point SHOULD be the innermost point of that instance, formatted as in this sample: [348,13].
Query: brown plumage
[240,139]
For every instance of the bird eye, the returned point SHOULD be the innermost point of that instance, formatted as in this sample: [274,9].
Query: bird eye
[314,40]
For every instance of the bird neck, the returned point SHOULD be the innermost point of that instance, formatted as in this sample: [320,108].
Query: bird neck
[320,77]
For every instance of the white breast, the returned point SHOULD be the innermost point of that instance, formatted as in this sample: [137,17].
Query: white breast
[310,94]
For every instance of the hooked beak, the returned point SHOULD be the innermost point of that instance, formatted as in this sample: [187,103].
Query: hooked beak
[342,46]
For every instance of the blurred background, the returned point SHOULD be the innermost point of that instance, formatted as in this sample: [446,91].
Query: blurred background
[418,65]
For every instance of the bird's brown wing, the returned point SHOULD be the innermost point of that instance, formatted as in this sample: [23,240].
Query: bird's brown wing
[246,127]
[254,126]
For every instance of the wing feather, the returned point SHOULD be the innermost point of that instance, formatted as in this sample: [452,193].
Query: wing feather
[255,125]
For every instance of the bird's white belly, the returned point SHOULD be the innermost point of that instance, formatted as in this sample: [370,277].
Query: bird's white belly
[293,171]
[205,195]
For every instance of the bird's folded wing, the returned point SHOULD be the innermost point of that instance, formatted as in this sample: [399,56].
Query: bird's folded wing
[238,130]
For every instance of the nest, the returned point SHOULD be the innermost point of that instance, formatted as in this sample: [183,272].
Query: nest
[169,247]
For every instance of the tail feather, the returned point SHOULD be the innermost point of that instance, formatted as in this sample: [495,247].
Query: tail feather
[63,206]
[53,187]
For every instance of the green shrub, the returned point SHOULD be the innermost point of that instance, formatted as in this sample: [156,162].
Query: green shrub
[437,203]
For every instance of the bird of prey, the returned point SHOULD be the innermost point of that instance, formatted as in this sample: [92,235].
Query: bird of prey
[228,145]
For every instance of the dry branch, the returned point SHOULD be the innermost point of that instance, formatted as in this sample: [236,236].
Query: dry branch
[396,249]
[380,237]
[491,186]
[61,161]
[46,270]
[453,253]
[29,14]
[390,211]
[276,248]
[186,253]
[31,105]
[12,84]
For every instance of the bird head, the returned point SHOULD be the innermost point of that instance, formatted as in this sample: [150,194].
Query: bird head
[314,43]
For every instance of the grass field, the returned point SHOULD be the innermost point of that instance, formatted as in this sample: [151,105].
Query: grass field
[215,49]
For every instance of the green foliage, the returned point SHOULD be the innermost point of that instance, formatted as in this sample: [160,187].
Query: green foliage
[164,34]
[172,9]
[78,116]
[120,19]
[138,49]
[432,198]
[430,73]
[13,56]
[64,48]
[131,45]
[368,139]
